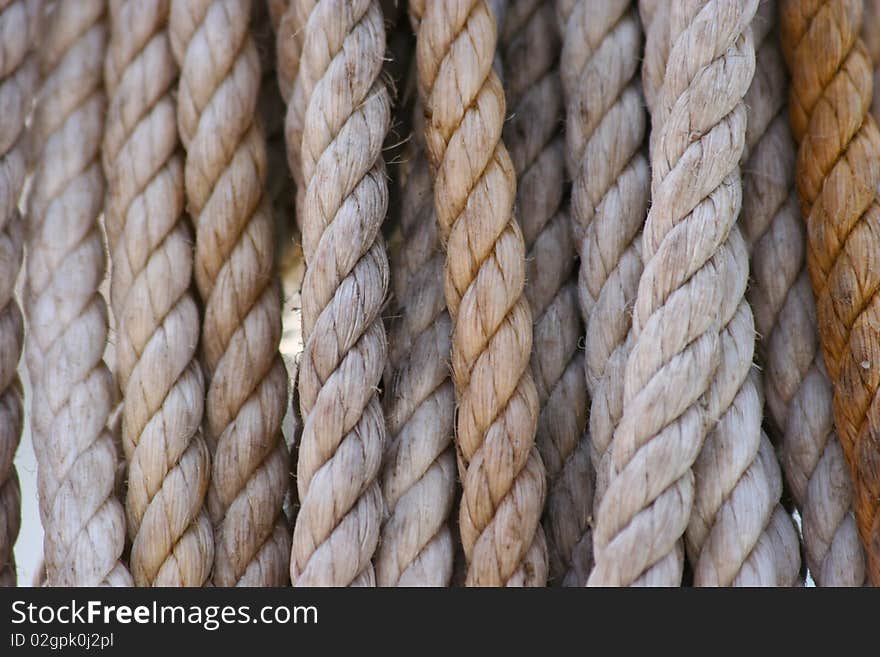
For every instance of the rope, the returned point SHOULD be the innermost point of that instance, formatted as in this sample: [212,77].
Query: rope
[474,189]
[690,290]
[290,38]
[655,21]
[225,174]
[271,111]
[837,180]
[871,37]
[418,474]
[530,44]
[18,81]
[157,317]
[67,317]
[345,115]
[609,195]
[735,496]
[798,393]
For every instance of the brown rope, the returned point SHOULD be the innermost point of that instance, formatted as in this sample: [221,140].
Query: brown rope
[157,318]
[796,386]
[474,189]
[837,175]
[217,105]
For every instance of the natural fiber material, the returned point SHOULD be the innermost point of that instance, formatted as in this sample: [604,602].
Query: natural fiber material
[871,37]
[655,23]
[735,492]
[157,318]
[530,45]
[290,39]
[691,289]
[288,44]
[18,81]
[271,110]
[838,173]
[67,318]
[225,176]
[798,393]
[418,474]
[610,187]
[337,131]
[474,190]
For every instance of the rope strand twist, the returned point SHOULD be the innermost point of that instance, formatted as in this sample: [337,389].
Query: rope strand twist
[157,317]
[72,388]
[337,133]
[18,82]
[225,177]
[474,189]
[529,44]
[837,176]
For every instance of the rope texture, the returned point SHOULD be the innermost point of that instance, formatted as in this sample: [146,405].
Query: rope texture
[530,45]
[18,81]
[798,393]
[418,474]
[72,388]
[474,189]
[837,176]
[338,116]
[157,317]
[609,169]
[225,176]
[871,37]
[689,293]
[737,476]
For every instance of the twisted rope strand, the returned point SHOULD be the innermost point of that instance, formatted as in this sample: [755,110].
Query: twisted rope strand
[609,169]
[225,175]
[690,289]
[418,475]
[157,318]
[798,393]
[837,176]
[265,19]
[871,37]
[18,82]
[529,44]
[344,198]
[735,496]
[654,15]
[67,317]
[474,188]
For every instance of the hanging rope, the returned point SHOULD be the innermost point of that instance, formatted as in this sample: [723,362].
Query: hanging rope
[604,138]
[736,490]
[225,175]
[474,189]
[683,301]
[655,23]
[67,318]
[157,318]
[530,44]
[837,181]
[797,389]
[19,20]
[338,136]
[418,475]
[871,37]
